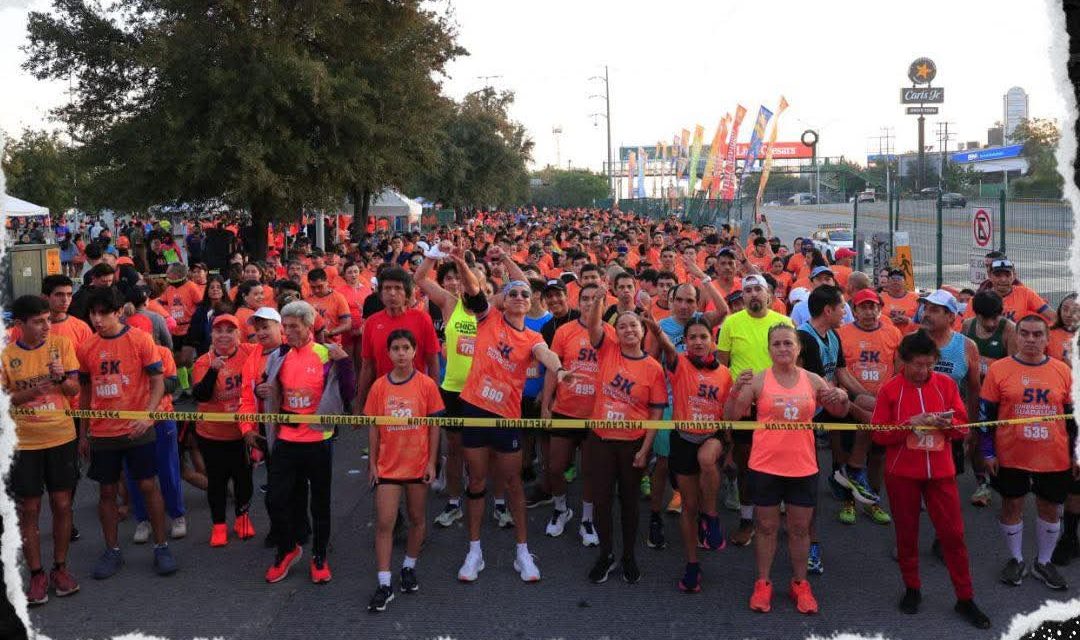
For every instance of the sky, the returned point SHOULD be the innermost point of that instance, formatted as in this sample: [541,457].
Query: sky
[677,63]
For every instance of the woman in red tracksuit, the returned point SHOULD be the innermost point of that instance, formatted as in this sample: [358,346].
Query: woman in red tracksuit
[919,467]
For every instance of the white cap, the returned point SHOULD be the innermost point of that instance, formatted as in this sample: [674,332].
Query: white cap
[798,294]
[265,313]
[754,279]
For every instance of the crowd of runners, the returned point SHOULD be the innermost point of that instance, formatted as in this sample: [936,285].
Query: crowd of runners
[579,314]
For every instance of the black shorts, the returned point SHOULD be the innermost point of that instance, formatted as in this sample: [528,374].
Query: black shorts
[530,407]
[106,464]
[52,469]
[179,342]
[577,435]
[1052,486]
[452,401]
[500,440]
[399,481]
[683,458]
[768,490]
[745,436]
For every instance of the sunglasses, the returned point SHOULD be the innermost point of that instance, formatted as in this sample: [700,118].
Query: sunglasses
[518,293]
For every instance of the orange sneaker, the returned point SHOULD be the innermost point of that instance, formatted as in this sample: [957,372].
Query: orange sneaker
[803,597]
[219,535]
[320,571]
[761,601]
[282,564]
[243,527]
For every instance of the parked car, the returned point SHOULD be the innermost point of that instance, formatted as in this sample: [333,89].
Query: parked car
[829,238]
[802,198]
[953,200]
[864,196]
[929,193]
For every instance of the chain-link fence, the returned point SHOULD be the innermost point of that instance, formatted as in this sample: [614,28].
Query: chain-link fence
[696,211]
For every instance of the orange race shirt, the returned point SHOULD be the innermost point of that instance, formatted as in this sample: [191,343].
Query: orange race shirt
[699,394]
[333,308]
[571,343]
[247,330]
[71,328]
[181,302]
[227,389]
[499,368]
[1062,344]
[870,355]
[302,378]
[908,304]
[403,449]
[117,370]
[25,366]
[629,387]
[1024,391]
[788,453]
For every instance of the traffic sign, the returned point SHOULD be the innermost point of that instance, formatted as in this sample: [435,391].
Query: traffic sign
[982,229]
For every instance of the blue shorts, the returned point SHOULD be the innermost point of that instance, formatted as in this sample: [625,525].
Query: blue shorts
[500,440]
[106,464]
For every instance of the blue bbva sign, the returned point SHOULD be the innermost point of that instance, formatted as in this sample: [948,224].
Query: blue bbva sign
[993,153]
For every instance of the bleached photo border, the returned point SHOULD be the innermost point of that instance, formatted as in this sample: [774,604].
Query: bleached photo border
[1020,625]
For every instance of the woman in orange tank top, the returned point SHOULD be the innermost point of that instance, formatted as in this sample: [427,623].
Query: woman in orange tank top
[783,462]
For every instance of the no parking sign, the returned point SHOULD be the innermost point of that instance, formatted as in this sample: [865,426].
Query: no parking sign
[982,242]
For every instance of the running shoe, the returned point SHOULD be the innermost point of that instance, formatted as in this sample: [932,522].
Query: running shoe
[803,597]
[142,532]
[877,514]
[38,593]
[525,565]
[282,563]
[630,572]
[108,564]
[320,570]
[656,532]
[75,535]
[179,528]
[761,599]
[857,482]
[909,604]
[602,569]
[1049,575]
[847,512]
[588,534]
[1013,572]
[409,584]
[982,496]
[570,474]
[691,580]
[502,516]
[838,490]
[646,487]
[675,506]
[164,562]
[744,534]
[219,535]
[537,497]
[382,597]
[243,528]
[1066,550]
[710,533]
[471,568]
[731,495]
[814,564]
[972,614]
[557,524]
[63,582]
[451,513]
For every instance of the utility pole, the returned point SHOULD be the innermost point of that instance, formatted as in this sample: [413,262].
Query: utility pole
[943,144]
[556,131]
[607,116]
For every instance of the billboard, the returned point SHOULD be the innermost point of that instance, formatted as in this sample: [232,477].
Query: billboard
[993,153]
[920,95]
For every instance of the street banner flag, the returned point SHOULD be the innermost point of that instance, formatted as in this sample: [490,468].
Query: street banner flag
[631,164]
[714,156]
[684,152]
[643,159]
[727,182]
[695,153]
[766,166]
[756,138]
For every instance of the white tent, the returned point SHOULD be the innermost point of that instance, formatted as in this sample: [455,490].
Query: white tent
[404,212]
[15,208]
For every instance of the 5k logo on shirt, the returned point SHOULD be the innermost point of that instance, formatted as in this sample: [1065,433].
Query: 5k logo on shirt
[622,384]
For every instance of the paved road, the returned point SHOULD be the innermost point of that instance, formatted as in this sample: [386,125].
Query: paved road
[222,592]
[1041,253]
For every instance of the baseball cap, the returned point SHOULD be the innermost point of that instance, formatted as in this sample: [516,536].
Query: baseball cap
[265,313]
[844,252]
[897,272]
[798,294]
[226,318]
[865,295]
[553,285]
[1001,265]
[754,280]
[820,271]
[941,298]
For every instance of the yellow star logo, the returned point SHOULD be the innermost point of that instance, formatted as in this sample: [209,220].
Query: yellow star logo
[922,70]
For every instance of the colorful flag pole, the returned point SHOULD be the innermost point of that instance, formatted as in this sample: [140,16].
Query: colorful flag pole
[727,179]
[766,166]
[708,179]
[631,164]
[756,138]
[695,153]
[643,160]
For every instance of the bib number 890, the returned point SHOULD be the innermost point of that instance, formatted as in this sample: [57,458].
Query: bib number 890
[491,394]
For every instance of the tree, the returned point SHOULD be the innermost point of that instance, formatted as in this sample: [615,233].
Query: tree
[264,105]
[568,188]
[41,168]
[1040,137]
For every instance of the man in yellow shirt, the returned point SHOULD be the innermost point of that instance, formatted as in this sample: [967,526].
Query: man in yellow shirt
[40,371]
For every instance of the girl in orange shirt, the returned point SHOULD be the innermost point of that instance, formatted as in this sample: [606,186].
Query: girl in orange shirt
[1063,333]
[783,463]
[402,459]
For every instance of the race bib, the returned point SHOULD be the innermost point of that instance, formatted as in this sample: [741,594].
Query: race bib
[466,346]
[1036,432]
[533,371]
[614,411]
[584,389]
[494,391]
[298,399]
[925,441]
[178,313]
[107,386]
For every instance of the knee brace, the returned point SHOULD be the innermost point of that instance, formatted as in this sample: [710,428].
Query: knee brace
[475,495]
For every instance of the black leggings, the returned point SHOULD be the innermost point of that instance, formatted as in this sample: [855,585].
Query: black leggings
[226,460]
[611,463]
[293,463]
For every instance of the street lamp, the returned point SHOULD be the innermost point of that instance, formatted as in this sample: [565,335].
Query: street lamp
[607,115]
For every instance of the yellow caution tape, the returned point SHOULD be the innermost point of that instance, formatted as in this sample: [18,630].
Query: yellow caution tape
[502,423]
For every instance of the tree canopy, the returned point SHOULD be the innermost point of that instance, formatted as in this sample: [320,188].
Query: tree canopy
[568,188]
[41,168]
[1040,137]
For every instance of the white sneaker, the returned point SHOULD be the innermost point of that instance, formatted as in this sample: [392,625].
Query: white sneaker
[588,534]
[142,532]
[471,568]
[502,517]
[179,528]
[558,522]
[526,567]
[449,515]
